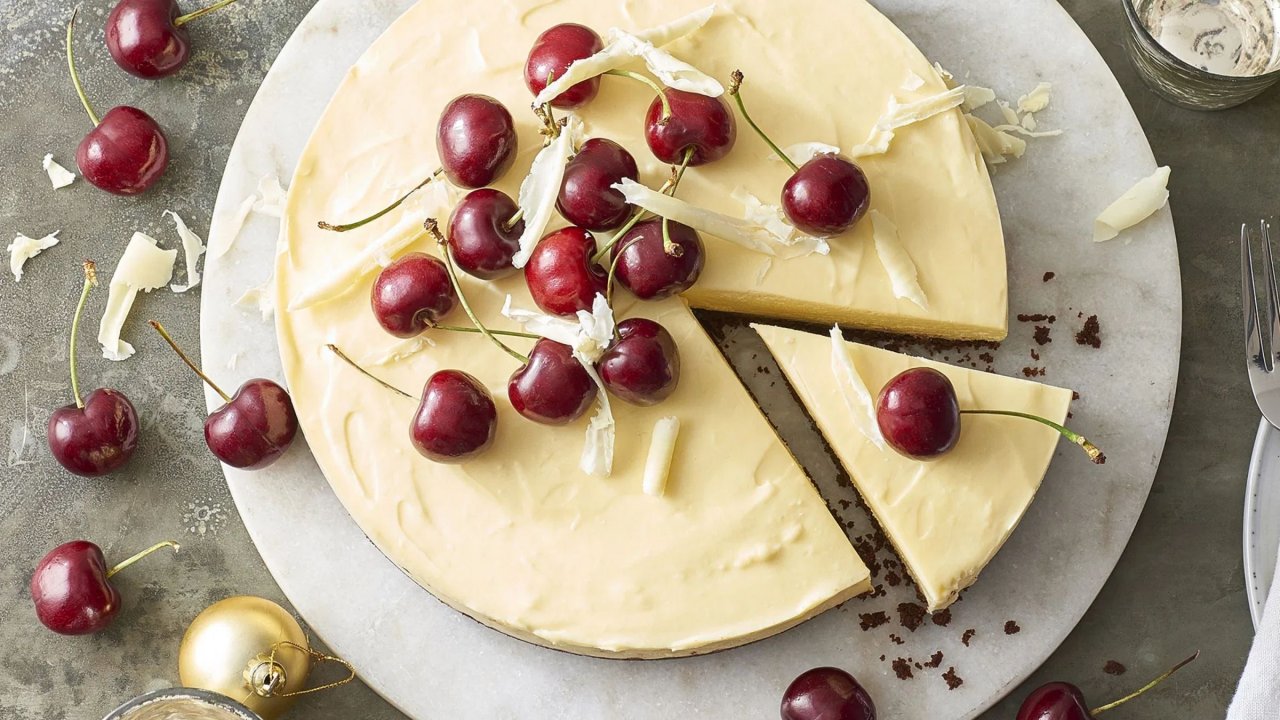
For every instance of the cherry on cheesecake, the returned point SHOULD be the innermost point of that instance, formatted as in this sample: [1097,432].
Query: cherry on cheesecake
[1065,701]
[587,197]
[679,123]
[482,237]
[552,388]
[562,275]
[658,258]
[456,418]
[254,427]
[919,416]
[149,38]
[71,587]
[827,693]
[126,152]
[827,195]
[476,141]
[99,433]
[642,366]
[551,55]
[412,294]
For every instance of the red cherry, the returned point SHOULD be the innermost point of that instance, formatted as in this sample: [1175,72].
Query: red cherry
[552,54]
[254,428]
[587,197]
[71,587]
[826,196]
[1055,701]
[699,123]
[552,388]
[827,693]
[918,413]
[412,294]
[456,419]
[476,140]
[561,276]
[480,238]
[642,366]
[149,39]
[652,271]
[97,438]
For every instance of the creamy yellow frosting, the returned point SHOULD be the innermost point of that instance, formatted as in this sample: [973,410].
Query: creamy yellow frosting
[948,517]
[740,545]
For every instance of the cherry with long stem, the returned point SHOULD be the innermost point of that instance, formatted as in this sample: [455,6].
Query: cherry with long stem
[139,555]
[90,282]
[735,92]
[75,76]
[1090,449]
[189,362]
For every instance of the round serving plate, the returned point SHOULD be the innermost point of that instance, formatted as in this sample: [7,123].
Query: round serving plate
[1262,518]
[433,662]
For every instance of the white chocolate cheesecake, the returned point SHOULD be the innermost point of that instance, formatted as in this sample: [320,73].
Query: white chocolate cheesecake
[948,517]
[740,545]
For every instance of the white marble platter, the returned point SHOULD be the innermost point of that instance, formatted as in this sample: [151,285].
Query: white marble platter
[432,662]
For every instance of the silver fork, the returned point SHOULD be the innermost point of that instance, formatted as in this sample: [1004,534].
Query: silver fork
[1262,352]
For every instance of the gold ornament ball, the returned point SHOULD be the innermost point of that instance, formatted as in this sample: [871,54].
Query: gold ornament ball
[227,649]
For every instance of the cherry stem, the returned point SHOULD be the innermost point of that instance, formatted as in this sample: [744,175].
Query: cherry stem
[184,19]
[506,226]
[190,363]
[508,333]
[336,351]
[433,229]
[1094,453]
[90,281]
[617,237]
[135,558]
[75,76]
[669,247]
[735,91]
[1144,688]
[662,95]
[361,223]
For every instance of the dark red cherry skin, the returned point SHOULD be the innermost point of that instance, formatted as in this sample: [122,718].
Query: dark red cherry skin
[642,366]
[561,277]
[553,388]
[479,238]
[648,270]
[125,154]
[144,39]
[703,123]
[255,428]
[476,139]
[412,294]
[826,196]
[456,419]
[1055,701]
[96,439]
[553,52]
[918,413]
[587,198]
[827,693]
[71,592]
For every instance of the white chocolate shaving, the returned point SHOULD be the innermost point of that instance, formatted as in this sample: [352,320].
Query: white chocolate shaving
[143,268]
[192,249]
[626,47]
[913,82]
[59,176]
[801,153]
[271,197]
[662,448]
[269,200]
[597,450]
[1009,114]
[397,238]
[996,146]
[896,260]
[857,398]
[1037,99]
[976,97]
[541,187]
[947,77]
[261,298]
[1019,129]
[672,71]
[773,219]
[1137,204]
[24,248]
[1029,122]
[899,115]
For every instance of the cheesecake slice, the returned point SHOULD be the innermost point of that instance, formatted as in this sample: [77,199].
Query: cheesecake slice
[949,517]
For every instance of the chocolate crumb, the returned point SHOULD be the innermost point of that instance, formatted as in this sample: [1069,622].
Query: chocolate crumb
[1042,335]
[897,640]
[1114,668]
[892,579]
[1011,628]
[902,669]
[911,615]
[935,660]
[942,618]
[872,619]
[953,680]
[967,636]
[881,658]
[1032,317]
[1049,276]
[1035,355]
[1091,333]
[1075,395]
[987,358]
[1033,372]
[918,665]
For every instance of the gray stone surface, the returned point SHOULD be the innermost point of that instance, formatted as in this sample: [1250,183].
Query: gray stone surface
[1179,586]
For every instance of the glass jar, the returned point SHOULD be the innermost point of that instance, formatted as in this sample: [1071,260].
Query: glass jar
[182,704]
